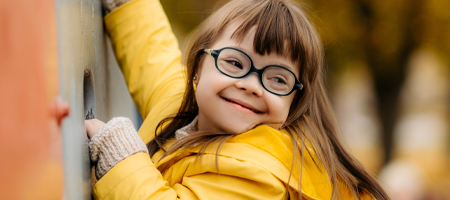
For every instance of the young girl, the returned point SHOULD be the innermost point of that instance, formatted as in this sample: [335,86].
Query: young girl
[247,118]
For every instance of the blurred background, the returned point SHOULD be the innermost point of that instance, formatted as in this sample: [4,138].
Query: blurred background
[388,69]
[388,77]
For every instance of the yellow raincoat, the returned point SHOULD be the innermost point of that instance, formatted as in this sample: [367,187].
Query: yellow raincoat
[253,165]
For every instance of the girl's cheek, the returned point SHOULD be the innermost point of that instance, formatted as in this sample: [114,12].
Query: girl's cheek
[280,106]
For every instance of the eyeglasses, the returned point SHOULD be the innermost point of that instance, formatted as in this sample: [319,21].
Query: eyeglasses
[235,63]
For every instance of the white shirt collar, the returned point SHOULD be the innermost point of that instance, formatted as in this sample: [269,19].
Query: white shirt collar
[182,132]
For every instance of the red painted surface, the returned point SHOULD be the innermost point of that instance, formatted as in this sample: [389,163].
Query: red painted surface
[30,139]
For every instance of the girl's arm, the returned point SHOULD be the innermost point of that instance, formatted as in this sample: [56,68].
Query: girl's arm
[148,55]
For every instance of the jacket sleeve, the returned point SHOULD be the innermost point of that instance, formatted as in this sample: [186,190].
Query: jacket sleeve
[148,55]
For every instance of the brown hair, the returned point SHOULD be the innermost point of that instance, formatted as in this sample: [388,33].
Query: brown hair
[281,28]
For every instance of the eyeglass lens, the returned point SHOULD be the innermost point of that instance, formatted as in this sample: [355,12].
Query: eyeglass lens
[236,64]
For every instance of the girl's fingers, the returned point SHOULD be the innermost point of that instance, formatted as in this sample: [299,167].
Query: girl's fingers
[93,126]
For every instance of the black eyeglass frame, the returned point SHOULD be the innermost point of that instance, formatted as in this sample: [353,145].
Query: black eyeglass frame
[215,54]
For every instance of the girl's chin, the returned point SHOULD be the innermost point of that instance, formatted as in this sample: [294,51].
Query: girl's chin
[238,128]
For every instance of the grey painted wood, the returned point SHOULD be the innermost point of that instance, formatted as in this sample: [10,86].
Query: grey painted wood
[81,47]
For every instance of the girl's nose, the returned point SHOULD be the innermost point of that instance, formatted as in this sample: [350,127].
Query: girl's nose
[250,84]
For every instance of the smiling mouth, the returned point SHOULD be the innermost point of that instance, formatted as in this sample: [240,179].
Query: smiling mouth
[253,110]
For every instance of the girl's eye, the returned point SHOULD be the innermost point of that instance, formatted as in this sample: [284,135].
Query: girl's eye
[279,80]
[235,63]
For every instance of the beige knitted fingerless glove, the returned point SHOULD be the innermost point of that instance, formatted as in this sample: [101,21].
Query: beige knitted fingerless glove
[114,142]
[110,5]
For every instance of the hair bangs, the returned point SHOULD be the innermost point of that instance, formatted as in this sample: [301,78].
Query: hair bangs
[276,30]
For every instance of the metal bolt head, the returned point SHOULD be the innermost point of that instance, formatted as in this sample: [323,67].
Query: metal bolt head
[86,72]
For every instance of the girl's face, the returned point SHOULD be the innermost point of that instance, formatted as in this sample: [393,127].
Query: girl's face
[228,104]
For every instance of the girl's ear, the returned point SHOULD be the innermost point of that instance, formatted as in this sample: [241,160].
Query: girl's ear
[196,79]
[198,70]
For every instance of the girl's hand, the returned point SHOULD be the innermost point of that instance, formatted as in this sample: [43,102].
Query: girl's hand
[93,126]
